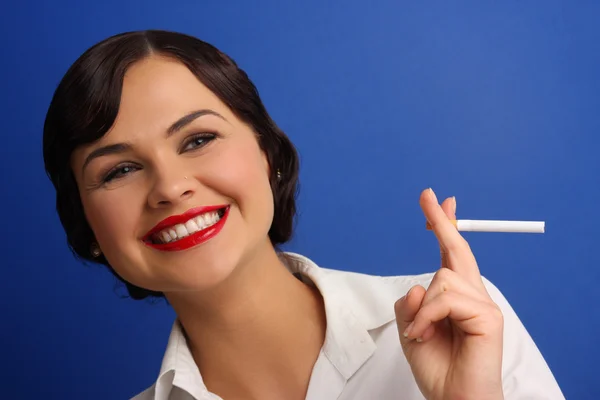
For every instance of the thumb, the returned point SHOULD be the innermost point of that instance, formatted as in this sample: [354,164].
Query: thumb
[406,308]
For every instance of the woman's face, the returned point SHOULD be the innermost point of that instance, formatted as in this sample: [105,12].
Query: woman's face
[177,192]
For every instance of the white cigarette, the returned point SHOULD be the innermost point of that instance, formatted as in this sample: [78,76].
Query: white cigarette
[472,225]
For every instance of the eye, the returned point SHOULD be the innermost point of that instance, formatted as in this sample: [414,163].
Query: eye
[119,172]
[198,141]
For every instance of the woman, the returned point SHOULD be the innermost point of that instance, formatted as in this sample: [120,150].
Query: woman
[169,171]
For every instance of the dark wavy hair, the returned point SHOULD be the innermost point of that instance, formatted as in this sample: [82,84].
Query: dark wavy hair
[86,102]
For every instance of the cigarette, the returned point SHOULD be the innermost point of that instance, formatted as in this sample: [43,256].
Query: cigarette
[472,225]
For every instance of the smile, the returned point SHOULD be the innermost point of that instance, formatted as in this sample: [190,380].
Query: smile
[194,227]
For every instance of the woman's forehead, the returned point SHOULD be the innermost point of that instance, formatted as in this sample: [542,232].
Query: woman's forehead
[160,87]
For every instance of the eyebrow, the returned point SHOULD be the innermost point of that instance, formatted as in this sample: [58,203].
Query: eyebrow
[178,125]
[117,148]
[183,121]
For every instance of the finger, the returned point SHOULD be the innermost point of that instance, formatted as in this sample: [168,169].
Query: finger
[428,333]
[445,231]
[472,316]
[407,307]
[446,280]
[458,253]
[449,207]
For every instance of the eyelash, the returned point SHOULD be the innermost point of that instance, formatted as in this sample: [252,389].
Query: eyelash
[114,172]
[207,137]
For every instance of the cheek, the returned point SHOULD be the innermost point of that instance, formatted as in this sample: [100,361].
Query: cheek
[242,175]
[112,217]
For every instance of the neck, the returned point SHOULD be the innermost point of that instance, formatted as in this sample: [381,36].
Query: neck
[260,325]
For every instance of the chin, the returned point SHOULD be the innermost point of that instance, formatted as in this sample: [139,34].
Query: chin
[198,270]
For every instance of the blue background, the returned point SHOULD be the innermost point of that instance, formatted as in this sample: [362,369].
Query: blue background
[494,102]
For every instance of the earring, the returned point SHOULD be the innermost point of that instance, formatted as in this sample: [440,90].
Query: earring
[278,174]
[95,250]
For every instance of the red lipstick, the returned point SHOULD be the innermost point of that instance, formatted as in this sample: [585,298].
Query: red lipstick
[192,240]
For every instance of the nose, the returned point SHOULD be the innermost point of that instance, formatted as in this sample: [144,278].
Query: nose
[170,187]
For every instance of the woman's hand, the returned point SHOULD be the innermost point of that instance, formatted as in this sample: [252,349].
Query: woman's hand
[451,333]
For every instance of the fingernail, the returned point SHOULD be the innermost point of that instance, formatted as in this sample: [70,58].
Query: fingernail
[454,204]
[432,194]
[408,329]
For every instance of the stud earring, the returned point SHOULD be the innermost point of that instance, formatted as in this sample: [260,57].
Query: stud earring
[278,174]
[95,250]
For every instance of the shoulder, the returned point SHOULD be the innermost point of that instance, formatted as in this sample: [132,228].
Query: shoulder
[371,293]
[354,280]
[379,285]
[370,297]
[374,293]
[392,287]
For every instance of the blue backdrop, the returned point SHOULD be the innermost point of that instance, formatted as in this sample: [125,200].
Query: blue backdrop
[497,103]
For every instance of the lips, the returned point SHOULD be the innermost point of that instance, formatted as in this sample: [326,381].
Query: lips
[194,227]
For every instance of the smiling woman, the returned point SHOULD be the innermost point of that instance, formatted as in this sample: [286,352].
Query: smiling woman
[108,166]
[169,171]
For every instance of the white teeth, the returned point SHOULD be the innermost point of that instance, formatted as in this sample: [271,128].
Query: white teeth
[191,226]
[200,221]
[164,235]
[206,219]
[181,231]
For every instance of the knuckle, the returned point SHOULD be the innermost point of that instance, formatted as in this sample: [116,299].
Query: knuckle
[443,274]
[452,246]
[460,244]
[442,279]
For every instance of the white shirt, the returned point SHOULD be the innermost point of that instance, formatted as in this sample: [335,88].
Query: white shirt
[361,357]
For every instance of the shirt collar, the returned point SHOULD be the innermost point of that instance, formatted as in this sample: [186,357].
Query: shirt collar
[178,368]
[351,313]
[348,344]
